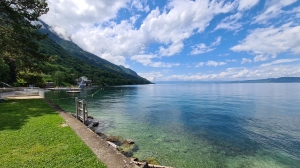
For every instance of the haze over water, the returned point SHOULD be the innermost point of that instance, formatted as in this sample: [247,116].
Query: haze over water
[202,125]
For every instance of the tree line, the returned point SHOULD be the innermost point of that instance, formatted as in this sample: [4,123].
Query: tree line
[29,57]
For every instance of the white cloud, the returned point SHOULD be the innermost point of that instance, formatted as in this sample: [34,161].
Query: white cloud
[200,64]
[202,48]
[245,60]
[230,22]
[146,60]
[181,22]
[224,55]
[152,76]
[241,73]
[140,5]
[73,15]
[114,41]
[247,4]
[217,42]
[233,60]
[171,50]
[210,63]
[116,59]
[163,64]
[143,59]
[268,42]
[60,32]
[260,58]
[273,9]
[280,61]
[222,63]
[91,25]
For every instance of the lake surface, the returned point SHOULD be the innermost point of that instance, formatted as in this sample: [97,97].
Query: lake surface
[192,125]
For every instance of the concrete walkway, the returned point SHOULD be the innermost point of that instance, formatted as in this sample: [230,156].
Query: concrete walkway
[111,157]
[18,95]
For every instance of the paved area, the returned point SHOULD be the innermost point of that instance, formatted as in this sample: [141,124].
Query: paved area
[18,95]
[22,97]
[111,157]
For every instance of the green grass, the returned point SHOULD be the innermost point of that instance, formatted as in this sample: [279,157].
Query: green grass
[31,135]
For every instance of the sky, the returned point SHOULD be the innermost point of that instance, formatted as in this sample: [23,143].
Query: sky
[186,40]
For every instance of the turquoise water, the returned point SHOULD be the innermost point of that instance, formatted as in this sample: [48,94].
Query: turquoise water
[201,125]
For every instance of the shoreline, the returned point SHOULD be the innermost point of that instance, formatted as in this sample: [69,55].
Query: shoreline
[107,151]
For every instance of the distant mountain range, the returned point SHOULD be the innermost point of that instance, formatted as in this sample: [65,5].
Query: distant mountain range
[84,63]
[269,80]
[272,80]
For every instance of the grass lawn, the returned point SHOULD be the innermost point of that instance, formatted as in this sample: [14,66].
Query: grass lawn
[31,135]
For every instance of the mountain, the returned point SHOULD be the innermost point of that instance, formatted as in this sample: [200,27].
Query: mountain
[65,42]
[72,57]
[272,80]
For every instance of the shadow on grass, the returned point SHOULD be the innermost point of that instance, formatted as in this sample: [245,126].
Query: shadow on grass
[15,113]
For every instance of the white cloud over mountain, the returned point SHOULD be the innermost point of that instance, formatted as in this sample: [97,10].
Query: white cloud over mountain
[176,33]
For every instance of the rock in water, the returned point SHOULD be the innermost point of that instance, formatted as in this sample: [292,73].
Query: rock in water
[114,139]
[128,141]
[95,123]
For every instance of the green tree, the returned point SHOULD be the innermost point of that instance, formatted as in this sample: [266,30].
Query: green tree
[59,77]
[18,33]
[31,78]
[4,71]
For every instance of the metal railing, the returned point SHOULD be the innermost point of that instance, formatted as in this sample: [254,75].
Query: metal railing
[81,109]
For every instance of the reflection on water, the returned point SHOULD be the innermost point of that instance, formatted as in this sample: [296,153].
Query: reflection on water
[202,125]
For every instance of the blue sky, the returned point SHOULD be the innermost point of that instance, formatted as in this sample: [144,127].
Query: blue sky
[169,40]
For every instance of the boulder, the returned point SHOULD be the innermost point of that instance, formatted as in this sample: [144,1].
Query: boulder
[95,123]
[91,123]
[113,139]
[128,149]
[128,141]
[88,121]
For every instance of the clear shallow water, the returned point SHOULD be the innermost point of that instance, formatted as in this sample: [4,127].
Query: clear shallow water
[202,125]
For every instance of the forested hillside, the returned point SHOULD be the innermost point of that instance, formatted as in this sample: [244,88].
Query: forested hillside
[29,56]
[67,67]
[76,51]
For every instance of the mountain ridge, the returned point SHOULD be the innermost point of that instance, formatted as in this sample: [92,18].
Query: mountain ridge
[271,80]
[93,59]
[74,58]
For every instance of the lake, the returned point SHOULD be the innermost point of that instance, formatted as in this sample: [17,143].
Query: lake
[193,125]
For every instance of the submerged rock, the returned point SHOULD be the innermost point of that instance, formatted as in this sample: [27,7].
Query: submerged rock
[92,122]
[128,149]
[128,141]
[152,160]
[115,139]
